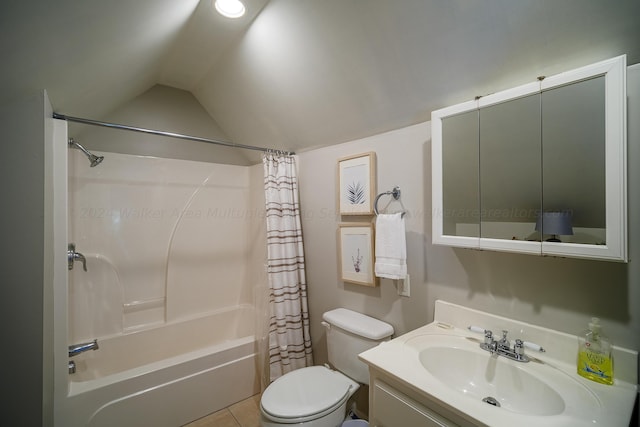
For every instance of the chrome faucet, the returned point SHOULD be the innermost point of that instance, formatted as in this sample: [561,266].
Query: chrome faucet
[76,349]
[502,347]
[72,256]
[489,343]
[504,343]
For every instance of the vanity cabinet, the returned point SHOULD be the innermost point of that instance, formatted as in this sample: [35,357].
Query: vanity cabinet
[394,409]
[538,169]
[392,404]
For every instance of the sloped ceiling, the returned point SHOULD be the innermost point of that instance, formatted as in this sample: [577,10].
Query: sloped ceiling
[297,74]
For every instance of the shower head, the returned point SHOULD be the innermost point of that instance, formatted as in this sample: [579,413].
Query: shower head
[93,159]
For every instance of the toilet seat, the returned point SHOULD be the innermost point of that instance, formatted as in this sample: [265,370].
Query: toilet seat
[306,394]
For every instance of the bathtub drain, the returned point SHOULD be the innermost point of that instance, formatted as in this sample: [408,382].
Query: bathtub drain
[491,401]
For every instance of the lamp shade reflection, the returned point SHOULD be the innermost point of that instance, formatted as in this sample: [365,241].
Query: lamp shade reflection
[555,224]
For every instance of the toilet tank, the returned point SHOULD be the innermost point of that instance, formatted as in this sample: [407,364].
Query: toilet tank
[350,333]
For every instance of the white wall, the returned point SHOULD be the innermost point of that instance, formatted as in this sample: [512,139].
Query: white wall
[27,384]
[553,292]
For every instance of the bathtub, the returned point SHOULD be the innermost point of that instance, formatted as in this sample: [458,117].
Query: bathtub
[167,375]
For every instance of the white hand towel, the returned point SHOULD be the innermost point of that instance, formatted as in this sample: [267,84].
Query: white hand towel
[391,247]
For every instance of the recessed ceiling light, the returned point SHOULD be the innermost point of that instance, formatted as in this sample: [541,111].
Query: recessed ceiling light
[230,8]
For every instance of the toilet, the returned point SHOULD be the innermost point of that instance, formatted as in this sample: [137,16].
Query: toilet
[317,396]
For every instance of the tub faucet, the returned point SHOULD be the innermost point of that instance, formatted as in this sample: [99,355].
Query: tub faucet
[72,256]
[76,349]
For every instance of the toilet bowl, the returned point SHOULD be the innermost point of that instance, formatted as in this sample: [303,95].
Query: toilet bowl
[317,396]
[312,397]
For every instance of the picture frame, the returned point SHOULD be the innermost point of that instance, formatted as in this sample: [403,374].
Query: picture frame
[356,253]
[357,184]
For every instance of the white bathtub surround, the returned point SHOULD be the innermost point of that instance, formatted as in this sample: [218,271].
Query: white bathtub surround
[289,337]
[165,240]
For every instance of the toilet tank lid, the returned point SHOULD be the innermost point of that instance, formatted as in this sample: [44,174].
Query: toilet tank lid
[358,323]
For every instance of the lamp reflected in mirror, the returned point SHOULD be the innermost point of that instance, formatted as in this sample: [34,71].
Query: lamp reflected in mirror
[554,224]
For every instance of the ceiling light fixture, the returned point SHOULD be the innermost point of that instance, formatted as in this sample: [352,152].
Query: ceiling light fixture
[230,8]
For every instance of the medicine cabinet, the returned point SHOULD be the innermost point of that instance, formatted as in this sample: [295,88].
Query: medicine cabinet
[538,169]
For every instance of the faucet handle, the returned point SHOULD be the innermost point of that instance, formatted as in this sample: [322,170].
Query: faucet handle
[518,347]
[488,335]
[477,329]
[533,346]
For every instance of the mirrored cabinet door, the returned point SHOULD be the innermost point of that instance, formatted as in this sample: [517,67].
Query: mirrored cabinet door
[510,172]
[584,162]
[460,172]
[573,163]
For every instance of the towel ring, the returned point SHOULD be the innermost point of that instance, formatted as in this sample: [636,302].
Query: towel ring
[395,193]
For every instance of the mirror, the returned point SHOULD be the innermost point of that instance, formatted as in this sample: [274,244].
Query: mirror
[573,162]
[461,198]
[510,173]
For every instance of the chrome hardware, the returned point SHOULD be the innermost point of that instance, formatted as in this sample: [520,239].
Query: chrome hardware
[72,256]
[72,367]
[518,348]
[93,159]
[76,349]
[395,193]
[503,346]
[489,343]
[491,401]
[488,337]
[492,347]
[504,342]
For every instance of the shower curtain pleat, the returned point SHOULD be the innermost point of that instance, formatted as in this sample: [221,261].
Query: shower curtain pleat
[289,337]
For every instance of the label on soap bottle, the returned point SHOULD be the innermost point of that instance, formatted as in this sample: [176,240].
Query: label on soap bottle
[595,366]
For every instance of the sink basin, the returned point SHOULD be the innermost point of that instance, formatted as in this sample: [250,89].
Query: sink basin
[491,379]
[459,365]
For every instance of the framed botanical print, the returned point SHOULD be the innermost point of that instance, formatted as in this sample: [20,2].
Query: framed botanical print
[357,184]
[356,253]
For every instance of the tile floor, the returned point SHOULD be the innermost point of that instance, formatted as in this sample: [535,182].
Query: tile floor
[242,414]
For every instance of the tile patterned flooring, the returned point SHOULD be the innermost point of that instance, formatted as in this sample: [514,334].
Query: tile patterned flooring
[242,414]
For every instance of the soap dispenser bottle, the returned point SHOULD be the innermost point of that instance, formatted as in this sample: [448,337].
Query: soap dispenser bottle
[595,361]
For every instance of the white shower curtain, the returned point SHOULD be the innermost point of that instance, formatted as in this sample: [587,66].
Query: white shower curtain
[289,338]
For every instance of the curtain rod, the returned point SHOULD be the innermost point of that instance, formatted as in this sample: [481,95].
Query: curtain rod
[169,134]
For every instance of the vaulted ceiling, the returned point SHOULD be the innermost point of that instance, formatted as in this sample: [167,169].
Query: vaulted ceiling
[297,74]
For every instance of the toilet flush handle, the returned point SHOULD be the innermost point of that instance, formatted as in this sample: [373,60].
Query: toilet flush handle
[326,325]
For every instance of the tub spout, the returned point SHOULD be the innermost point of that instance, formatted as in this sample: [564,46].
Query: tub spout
[72,256]
[76,349]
